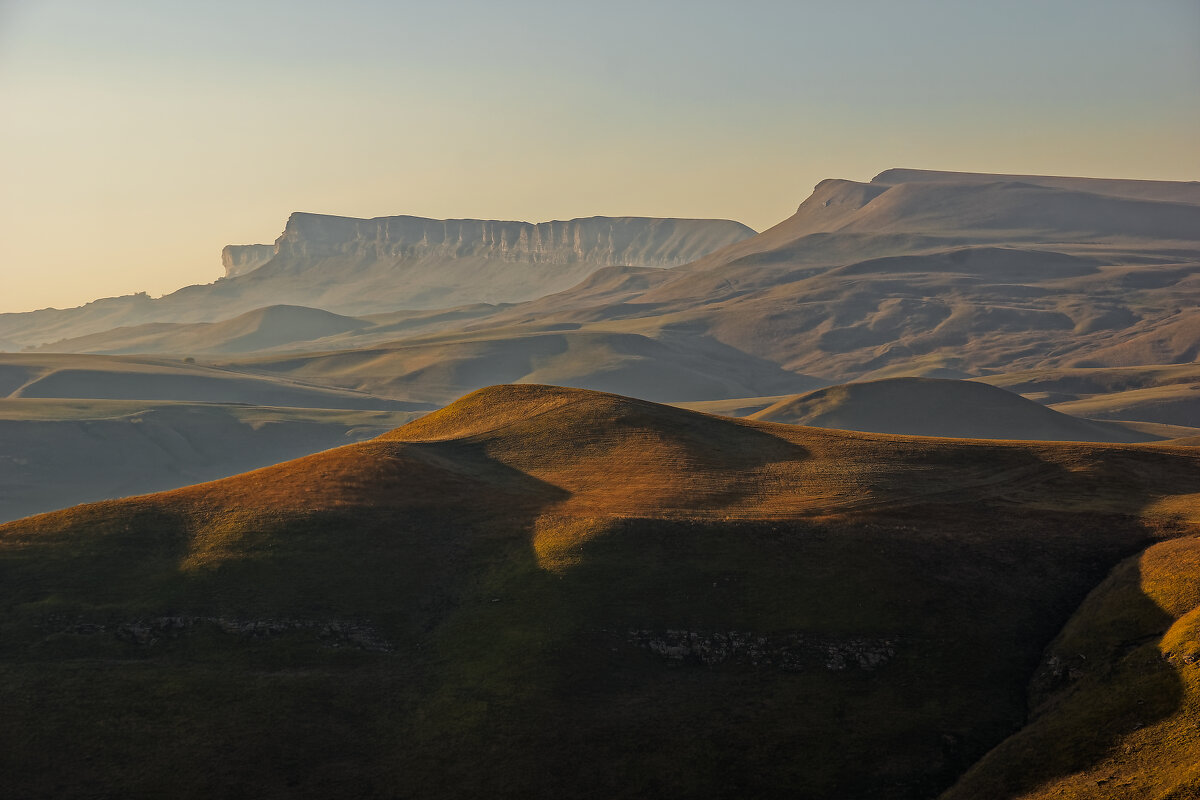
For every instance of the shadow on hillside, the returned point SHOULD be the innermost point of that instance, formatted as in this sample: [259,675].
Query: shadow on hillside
[1101,680]
[508,679]
[970,584]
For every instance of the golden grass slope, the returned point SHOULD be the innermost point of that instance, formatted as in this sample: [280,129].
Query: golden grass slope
[672,604]
[1116,700]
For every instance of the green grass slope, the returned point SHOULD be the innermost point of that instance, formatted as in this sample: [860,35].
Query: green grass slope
[545,592]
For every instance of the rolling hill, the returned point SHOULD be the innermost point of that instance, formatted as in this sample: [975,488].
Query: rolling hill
[938,407]
[569,589]
[1166,394]
[261,329]
[440,367]
[55,376]
[80,428]
[58,453]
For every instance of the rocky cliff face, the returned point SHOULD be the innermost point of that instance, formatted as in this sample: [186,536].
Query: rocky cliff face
[239,259]
[602,241]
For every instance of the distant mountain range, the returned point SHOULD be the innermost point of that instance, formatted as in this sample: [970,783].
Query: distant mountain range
[357,266]
[539,591]
[1079,293]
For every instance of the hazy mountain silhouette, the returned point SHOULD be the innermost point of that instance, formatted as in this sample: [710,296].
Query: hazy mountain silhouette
[357,266]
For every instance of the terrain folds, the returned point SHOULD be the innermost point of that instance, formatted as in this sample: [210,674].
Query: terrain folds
[671,603]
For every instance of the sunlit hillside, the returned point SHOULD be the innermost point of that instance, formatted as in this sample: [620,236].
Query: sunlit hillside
[559,586]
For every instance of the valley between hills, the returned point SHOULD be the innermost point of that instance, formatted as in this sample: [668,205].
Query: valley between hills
[896,499]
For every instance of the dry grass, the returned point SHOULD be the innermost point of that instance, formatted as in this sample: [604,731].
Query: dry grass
[506,546]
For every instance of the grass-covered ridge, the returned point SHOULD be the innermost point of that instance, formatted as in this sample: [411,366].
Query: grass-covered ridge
[550,592]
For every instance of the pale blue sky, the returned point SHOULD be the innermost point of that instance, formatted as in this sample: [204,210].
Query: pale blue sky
[139,137]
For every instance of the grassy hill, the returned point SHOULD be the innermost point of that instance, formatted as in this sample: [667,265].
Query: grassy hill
[81,428]
[938,407]
[542,592]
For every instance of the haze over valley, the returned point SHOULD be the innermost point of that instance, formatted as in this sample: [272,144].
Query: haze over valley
[649,401]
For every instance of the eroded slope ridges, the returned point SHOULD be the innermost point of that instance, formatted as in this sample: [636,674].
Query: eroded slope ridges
[670,603]
[922,273]
[440,367]
[866,280]
[938,283]
[355,266]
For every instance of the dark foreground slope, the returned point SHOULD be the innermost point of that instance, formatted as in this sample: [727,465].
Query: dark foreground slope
[543,592]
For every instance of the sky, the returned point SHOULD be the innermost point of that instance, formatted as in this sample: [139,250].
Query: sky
[139,138]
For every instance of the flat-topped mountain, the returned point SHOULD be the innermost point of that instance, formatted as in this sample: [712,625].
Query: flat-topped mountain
[363,265]
[627,241]
[358,266]
[903,211]
[913,273]
[671,604]
[1168,191]
[947,277]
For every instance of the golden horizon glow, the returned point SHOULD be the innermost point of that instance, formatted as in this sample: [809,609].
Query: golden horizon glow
[132,158]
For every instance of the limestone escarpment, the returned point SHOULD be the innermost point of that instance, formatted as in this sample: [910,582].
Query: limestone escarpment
[604,241]
[239,259]
[363,266]
[360,266]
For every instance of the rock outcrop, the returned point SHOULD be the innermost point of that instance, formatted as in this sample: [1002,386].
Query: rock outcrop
[363,266]
[602,241]
[240,259]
